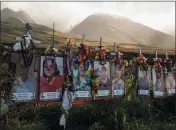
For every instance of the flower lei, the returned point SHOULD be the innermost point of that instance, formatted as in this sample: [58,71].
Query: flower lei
[168,64]
[68,82]
[157,66]
[50,50]
[84,52]
[141,62]
[95,82]
[119,61]
[103,51]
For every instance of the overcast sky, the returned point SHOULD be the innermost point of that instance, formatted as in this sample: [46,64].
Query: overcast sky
[158,15]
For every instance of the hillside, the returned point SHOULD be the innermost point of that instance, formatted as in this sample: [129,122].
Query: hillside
[6,13]
[122,30]
[44,34]
[39,32]
[19,19]
[15,21]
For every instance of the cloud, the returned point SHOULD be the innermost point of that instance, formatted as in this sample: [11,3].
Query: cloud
[158,15]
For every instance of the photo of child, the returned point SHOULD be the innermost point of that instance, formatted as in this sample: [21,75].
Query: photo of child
[118,86]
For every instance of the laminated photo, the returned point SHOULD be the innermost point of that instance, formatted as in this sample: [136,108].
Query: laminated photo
[81,81]
[118,84]
[105,83]
[24,86]
[51,78]
[170,84]
[158,83]
[144,81]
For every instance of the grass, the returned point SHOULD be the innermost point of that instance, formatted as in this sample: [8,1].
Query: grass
[44,34]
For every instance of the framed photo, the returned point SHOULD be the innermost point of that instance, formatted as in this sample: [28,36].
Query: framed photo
[51,78]
[170,84]
[158,84]
[81,81]
[144,81]
[118,83]
[24,87]
[105,83]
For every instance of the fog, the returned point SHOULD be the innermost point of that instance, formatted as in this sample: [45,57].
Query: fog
[157,15]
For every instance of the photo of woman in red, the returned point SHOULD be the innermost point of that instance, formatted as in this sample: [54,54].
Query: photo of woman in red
[51,79]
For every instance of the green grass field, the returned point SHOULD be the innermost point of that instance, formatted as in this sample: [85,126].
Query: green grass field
[44,34]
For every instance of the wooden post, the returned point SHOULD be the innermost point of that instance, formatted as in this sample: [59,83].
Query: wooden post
[100,41]
[52,44]
[140,51]
[115,49]
[166,55]
[83,37]
[156,55]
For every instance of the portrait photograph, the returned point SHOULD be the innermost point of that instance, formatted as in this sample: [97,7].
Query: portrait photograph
[24,86]
[144,82]
[105,83]
[158,83]
[170,84]
[118,84]
[81,81]
[51,77]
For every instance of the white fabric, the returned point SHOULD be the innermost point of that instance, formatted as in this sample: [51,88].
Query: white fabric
[62,120]
[67,100]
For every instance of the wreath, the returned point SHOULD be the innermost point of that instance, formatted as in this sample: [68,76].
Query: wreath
[141,62]
[157,66]
[168,64]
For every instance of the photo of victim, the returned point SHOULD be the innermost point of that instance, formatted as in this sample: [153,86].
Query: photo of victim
[170,84]
[158,83]
[51,77]
[118,84]
[24,86]
[144,82]
[105,83]
[81,81]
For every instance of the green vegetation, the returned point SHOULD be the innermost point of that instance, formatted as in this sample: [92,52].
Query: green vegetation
[130,113]
[138,113]
[44,34]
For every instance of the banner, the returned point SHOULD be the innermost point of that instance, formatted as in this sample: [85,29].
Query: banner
[158,83]
[81,81]
[118,84]
[24,87]
[170,84]
[51,77]
[144,81]
[104,89]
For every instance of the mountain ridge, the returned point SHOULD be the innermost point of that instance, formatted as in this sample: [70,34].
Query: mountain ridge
[124,30]
[7,12]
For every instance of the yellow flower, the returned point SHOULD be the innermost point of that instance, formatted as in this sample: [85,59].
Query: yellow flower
[95,82]
[89,70]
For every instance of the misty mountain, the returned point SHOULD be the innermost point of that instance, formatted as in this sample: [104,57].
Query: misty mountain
[7,13]
[122,30]
[14,21]
[20,18]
